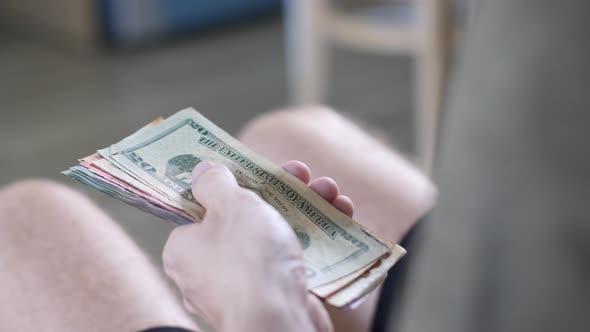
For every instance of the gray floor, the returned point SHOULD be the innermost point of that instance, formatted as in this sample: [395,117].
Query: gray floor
[57,106]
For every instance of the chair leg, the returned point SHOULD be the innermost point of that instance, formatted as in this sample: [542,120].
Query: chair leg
[426,114]
[429,76]
[305,53]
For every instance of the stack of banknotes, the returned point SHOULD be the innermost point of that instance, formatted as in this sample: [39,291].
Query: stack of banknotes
[151,170]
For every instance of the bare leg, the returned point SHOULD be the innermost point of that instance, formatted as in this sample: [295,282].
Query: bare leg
[389,194]
[66,266]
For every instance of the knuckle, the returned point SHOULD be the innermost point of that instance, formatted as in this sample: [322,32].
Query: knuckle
[280,235]
[299,271]
[209,178]
[189,292]
[248,196]
[171,253]
[168,260]
[215,171]
[212,175]
[188,306]
[272,228]
[214,216]
[249,203]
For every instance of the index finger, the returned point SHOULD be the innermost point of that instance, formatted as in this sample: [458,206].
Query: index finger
[298,169]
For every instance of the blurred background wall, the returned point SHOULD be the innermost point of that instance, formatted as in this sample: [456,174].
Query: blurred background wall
[70,22]
[96,24]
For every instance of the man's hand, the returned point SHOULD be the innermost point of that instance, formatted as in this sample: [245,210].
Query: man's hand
[242,268]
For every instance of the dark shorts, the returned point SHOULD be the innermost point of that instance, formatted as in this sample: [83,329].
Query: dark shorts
[166,329]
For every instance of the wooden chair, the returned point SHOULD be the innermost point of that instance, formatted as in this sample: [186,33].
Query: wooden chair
[312,25]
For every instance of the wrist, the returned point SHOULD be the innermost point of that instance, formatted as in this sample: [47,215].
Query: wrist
[269,313]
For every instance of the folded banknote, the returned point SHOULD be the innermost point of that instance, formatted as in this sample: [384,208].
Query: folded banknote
[151,170]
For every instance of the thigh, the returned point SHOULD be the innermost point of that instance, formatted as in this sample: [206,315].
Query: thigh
[66,266]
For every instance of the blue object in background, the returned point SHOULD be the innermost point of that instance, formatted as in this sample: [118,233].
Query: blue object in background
[127,23]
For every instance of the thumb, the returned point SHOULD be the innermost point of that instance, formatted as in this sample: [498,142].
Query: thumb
[212,184]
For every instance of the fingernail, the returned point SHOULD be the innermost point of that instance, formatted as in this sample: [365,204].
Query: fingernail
[200,168]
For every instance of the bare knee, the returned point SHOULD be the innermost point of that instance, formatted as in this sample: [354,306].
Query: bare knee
[32,190]
[35,191]
[25,197]
[33,206]
[289,119]
[43,218]
[290,130]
